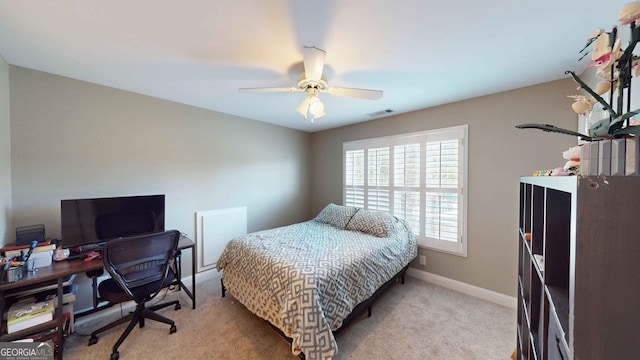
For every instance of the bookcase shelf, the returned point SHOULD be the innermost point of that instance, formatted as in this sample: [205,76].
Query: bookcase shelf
[577,268]
[21,334]
[29,288]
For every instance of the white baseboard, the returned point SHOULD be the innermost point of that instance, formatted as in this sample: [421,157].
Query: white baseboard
[202,276]
[475,291]
[472,290]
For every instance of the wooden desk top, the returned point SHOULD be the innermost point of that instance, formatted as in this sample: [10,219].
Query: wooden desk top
[63,269]
[185,243]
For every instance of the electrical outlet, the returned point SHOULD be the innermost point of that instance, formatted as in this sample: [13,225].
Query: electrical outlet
[423,260]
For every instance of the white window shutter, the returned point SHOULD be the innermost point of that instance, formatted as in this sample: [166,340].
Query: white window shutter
[419,177]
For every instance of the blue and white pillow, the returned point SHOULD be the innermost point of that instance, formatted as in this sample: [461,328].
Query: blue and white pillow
[376,223]
[336,215]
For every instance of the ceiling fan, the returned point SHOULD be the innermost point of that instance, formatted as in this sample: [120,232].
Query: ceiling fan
[312,82]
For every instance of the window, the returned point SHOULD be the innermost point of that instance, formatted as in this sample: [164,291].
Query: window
[420,177]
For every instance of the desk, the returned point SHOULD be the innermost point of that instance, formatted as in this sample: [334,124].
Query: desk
[183,244]
[59,272]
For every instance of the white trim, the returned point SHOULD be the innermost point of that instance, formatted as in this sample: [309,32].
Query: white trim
[211,274]
[472,290]
[475,291]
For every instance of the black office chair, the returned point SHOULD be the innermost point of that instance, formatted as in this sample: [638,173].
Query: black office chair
[140,267]
[112,226]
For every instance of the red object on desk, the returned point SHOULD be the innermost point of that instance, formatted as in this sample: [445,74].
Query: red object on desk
[92,255]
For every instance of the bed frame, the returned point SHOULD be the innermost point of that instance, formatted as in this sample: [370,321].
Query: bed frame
[366,304]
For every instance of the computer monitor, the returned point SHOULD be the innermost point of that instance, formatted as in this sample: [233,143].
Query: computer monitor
[93,221]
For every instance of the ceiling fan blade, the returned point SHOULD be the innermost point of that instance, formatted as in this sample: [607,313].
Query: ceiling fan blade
[313,62]
[269,89]
[355,93]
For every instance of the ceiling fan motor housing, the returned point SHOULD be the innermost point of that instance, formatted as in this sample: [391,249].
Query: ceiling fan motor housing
[304,83]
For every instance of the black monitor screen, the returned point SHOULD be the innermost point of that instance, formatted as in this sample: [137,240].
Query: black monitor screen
[91,221]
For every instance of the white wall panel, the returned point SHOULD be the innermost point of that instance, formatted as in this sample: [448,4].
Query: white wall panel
[214,229]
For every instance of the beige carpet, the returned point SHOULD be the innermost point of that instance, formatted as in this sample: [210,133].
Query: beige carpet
[417,320]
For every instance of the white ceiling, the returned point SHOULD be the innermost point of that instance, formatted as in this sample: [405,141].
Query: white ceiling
[421,53]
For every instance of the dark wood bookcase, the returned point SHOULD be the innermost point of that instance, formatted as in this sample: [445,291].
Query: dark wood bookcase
[579,268]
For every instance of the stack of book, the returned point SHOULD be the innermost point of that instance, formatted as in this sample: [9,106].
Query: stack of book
[23,315]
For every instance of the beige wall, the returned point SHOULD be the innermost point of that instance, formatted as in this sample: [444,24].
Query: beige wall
[5,154]
[498,155]
[72,139]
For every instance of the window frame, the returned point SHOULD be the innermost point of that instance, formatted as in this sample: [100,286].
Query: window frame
[350,193]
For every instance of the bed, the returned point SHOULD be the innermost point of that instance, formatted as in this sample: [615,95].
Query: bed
[306,279]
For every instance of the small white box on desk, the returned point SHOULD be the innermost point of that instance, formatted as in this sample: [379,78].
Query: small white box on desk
[42,258]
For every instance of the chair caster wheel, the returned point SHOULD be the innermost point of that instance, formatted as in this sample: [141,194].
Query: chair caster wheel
[93,340]
[173,329]
[115,356]
[178,307]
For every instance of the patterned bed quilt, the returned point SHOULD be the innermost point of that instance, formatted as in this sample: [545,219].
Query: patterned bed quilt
[306,278]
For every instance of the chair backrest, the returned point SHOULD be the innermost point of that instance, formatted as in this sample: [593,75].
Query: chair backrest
[137,262]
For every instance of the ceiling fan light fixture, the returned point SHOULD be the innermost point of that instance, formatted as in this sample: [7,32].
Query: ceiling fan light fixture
[311,105]
[303,108]
[316,107]
[312,81]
